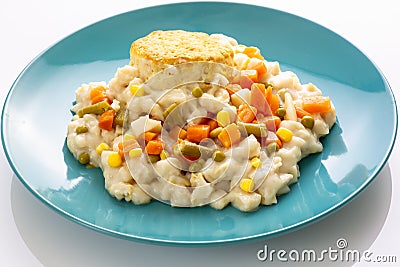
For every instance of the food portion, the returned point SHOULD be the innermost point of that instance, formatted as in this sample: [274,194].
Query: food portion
[161,49]
[198,119]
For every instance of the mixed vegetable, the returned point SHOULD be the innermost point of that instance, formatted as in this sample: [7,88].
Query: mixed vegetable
[259,110]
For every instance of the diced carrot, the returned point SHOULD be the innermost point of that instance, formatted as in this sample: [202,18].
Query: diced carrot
[213,124]
[250,74]
[106,120]
[301,112]
[246,113]
[258,65]
[279,142]
[182,134]
[252,51]
[177,132]
[230,91]
[98,94]
[276,140]
[272,123]
[317,104]
[272,99]
[150,136]
[126,146]
[154,147]
[231,88]
[230,135]
[196,133]
[257,99]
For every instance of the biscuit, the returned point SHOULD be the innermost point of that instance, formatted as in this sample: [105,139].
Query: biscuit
[161,49]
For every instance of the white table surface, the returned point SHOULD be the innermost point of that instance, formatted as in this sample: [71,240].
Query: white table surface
[33,235]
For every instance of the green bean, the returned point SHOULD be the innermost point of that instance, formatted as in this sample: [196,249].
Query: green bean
[258,130]
[190,150]
[120,117]
[169,109]
[98,109]
[193,150]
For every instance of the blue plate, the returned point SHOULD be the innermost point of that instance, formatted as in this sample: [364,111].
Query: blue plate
[36,113]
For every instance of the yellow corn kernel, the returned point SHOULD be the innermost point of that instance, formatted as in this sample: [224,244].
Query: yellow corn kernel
[136,90]
[223,118]
[129,137]
[163,154]
[256,162]
[247,184]
[135,152]
[284,134]
[114,160]
[101,147]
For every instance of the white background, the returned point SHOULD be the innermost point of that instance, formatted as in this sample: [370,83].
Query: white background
[33,235]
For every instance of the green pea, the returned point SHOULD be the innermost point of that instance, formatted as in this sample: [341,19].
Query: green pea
[153,158]
[197,92]
[81,129]
[195,167]
[308,122]
[218,156]
[281,112]
[272,148]
[98,109]
[84,158]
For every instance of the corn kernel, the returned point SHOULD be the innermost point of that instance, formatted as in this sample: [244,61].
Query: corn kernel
[247,184]
[101,147]
[256,162]
[223,118]
[129,137]
[136,90]
[284,134]
[135,152]
[163,154]
[114,160]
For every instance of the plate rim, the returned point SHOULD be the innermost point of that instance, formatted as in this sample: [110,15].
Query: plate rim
[285,230]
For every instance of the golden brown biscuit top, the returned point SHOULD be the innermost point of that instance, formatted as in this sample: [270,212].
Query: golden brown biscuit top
[178,46]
